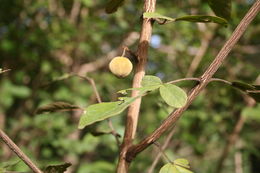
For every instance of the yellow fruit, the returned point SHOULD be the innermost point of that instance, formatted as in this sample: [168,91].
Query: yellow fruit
[120,66]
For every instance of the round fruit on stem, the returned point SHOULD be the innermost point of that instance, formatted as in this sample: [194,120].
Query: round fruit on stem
[120,66]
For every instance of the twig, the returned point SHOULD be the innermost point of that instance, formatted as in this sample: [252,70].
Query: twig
[19,152]
[205,79]
[75,10]
[158,156]
[134,108]
[220,80]
[185,79]
[238,162]
[198,79]
[162,152]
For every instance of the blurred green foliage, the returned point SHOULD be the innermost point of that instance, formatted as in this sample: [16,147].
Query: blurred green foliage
[41,41]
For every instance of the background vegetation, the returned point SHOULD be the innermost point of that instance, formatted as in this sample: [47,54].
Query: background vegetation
[43,41]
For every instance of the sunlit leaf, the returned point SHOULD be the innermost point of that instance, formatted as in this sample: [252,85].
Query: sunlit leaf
[57,168]
[123,92]
[141,89]
[182,169]
[221,8]
[169,168]
[155,15]
[113,5]
[182,162]
[55,107]
[173,95]
[203,19]
[101,111]
[149,83]
[149,80]
[178,166]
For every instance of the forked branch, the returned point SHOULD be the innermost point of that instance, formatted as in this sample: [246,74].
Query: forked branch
[204,80]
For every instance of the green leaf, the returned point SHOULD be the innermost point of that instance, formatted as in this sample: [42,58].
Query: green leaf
[182,169]
[149,80]
[142,90]
[57,168]
[101,111]
[182,162]
[221,8]
[190,18]
[154,15]
[55,107]
[203,19]
[149,83]
[169,168]
[251,90]
[173,95]
[255,94]
[242,86]
[113,5]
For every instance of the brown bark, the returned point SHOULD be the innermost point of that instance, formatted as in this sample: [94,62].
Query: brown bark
[133,111]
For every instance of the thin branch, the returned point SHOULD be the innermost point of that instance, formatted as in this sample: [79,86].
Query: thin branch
[238,162]
[75,10]
[205,79]
[185,79]
[198,79]
[162,151]
[158,156]
[19,152]
[134,108]
[220,80]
